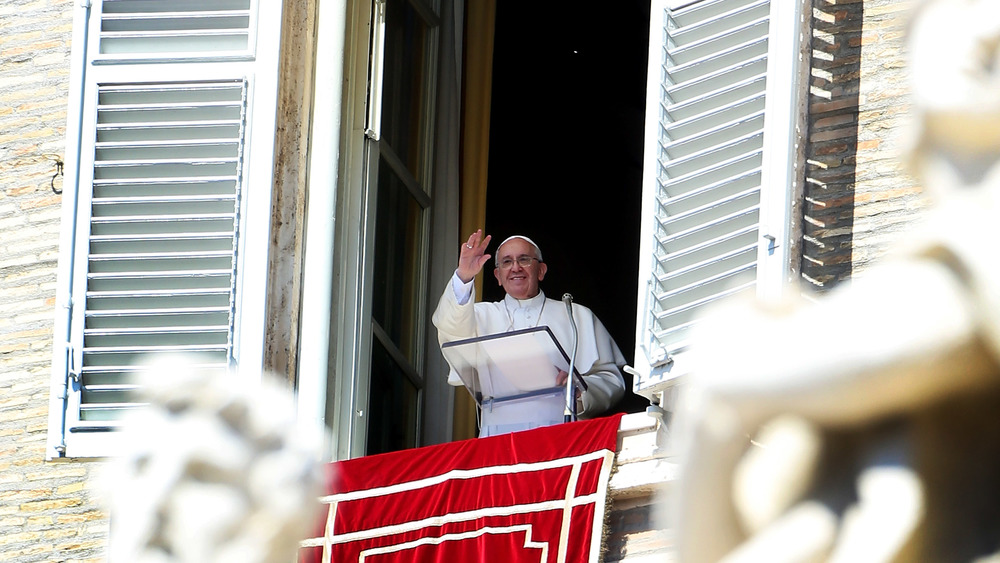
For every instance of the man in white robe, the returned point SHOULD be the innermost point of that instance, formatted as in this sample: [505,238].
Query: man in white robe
[519,269]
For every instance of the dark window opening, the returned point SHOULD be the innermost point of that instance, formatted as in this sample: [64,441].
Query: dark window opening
[566,140]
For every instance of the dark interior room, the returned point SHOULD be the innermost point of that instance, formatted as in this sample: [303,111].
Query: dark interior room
[566,142]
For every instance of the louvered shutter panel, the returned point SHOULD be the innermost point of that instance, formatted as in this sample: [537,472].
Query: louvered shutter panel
[139,29]
[701,236]
[161,206]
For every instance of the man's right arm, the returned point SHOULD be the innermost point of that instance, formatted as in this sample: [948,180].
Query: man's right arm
[462,289]
[455,315]
[455,319]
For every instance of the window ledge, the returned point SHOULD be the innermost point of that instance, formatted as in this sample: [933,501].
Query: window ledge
[644,463]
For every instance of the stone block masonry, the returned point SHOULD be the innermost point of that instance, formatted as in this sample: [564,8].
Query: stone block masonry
[858,197]
[48,511]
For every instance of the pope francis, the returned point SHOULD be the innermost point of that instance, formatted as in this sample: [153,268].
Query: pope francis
[519,269]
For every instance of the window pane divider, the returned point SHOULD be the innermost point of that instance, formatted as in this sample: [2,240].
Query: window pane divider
[397,355]
[411,183]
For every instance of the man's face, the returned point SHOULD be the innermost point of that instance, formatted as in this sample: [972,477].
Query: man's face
[520,282]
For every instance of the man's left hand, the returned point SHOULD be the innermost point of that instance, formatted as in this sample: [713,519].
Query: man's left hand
[561,380]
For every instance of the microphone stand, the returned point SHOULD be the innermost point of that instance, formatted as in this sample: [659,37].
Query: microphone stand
[569,412]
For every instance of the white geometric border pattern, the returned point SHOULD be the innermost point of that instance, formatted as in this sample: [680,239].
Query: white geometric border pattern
[526,528]
[569,501]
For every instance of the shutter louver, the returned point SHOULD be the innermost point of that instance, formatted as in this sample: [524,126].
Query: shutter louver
[706,208]
[163,232]
[144,28]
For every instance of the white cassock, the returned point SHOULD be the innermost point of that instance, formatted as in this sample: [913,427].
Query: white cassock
[598,358]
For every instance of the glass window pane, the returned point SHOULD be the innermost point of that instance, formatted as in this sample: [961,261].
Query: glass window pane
[404,92]
[392,419]
[396,283]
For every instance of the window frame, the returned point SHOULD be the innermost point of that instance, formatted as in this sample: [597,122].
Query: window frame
[351,323]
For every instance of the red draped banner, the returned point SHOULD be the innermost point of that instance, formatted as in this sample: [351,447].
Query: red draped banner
[536,496]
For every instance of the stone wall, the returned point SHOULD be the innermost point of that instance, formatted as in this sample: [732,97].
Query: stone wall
[857,197]
[48,511]
[637,531]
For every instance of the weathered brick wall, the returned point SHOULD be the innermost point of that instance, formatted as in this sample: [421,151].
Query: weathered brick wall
[47,510]
[858,197]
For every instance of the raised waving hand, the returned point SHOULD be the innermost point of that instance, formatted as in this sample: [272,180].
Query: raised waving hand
[472,256]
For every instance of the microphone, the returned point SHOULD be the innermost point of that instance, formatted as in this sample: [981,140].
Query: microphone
[569,413]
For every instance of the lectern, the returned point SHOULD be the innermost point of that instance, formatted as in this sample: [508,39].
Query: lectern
[512,377]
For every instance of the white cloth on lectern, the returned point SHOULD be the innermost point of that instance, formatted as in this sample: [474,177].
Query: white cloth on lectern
[598,358]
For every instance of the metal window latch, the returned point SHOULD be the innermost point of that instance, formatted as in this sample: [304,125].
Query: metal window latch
[72,370]
[660,358]
[771,242]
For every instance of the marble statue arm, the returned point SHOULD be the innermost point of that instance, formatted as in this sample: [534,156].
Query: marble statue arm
[891,363]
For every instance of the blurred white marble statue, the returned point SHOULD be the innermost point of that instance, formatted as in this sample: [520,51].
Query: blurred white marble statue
[216,471]
[878,440]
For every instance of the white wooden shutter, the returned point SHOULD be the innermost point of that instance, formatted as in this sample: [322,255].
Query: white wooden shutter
[160,258]
[715,215]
